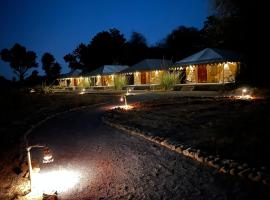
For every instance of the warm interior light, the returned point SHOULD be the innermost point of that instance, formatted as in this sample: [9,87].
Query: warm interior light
[50,182]
[244,90]
[121,99]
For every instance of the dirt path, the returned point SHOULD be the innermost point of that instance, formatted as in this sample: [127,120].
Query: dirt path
[113,165]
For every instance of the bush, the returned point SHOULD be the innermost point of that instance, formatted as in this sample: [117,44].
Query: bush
[168,81]
[120,82]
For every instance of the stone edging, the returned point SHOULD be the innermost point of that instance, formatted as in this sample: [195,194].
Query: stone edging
[226,166]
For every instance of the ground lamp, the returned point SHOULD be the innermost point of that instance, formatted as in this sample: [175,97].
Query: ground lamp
[125,106]
[47,158]
[244,91]
[124,98]
[128,91]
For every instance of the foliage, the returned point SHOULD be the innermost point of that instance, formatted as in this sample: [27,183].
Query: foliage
[168,81]
[136,48]
[183,41]
[119,82]
[51,67]
[107,47]
[46,89]
[19,59]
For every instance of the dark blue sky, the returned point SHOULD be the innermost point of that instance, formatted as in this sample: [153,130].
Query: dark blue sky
[58,26]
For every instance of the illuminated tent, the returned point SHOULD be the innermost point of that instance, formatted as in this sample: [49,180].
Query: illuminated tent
[70,79]
[73,73]
[209,55]
[105,75]
[107,70]
[209,66]
[147,72]
[149,65]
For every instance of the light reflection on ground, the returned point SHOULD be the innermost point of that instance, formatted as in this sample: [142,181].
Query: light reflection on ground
[124,107]
[50,182]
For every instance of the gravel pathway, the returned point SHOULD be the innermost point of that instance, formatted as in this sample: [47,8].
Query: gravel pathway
[114,165]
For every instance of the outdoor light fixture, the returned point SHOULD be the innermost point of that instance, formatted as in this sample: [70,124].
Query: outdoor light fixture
[47,158]
[47,155]
[82,91]
[121,99]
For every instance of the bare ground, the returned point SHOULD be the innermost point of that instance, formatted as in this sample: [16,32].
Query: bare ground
[233,129]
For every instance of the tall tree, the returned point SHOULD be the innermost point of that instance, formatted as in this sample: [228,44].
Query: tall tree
[240,26]
[183,41]
[19,59]
[137,48]
[51,68]
[107,47]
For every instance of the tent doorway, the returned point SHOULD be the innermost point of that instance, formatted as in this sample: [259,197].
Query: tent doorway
[202,74]
[75,82]
[143,78]
[130,79]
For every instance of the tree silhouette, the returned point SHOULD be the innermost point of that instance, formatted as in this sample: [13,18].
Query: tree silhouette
[240,26]
[50,66]
[107,47]
[183,41]
[34,78]
[19,59]
[137,48]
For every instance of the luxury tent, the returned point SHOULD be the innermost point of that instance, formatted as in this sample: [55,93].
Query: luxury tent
[208,66]
[71,79]
[147,72]
[105,76]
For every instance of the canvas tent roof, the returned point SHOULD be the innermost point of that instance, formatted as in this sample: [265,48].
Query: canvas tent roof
[209,55]
[149,65]
[72,73]
[107,70]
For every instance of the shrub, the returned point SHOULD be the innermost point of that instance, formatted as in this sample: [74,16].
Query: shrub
[119,82]
[168,81]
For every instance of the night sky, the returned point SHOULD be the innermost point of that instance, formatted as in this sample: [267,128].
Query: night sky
[58,26]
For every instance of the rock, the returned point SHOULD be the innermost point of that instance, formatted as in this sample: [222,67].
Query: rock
[224,170]
[200,158]
[254,177]
[214,164]
[186,152]
[233,171]
[244,172]
[266,182]
[178,149]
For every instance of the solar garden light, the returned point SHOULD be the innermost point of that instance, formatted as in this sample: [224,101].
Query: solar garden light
[244,91]
[124,98]
[128,91]
[47,158]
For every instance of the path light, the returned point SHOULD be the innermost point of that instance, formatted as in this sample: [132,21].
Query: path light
[83,91]
[128,91]
[47,158]
[123,98]
[244,91]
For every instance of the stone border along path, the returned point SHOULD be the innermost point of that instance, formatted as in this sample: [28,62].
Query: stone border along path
[226,166]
